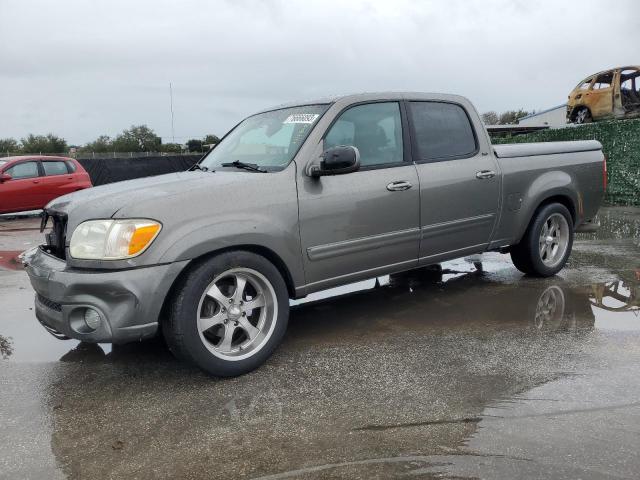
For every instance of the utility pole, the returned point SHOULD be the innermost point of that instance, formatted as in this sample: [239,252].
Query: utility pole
[173,133]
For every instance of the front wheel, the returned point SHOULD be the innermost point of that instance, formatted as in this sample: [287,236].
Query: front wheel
[546,245]
[228,313]
[583,115]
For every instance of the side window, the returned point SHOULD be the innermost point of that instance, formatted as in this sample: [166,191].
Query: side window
[375,129]
[603,81]
[23,170]
[54,168]
[442,130]
[71,166]
[585,85]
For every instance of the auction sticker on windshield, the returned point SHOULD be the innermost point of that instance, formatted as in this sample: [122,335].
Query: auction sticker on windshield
[301,118]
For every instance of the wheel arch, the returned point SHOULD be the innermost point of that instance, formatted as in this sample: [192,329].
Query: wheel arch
[576,109]
[561,198]
[261,250]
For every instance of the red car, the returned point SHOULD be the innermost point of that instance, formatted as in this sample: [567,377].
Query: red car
[30,182]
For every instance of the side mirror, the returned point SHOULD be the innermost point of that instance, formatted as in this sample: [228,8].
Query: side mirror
[336,161]
[4,177]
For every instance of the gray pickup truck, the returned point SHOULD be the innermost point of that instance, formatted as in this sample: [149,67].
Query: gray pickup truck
[297,199]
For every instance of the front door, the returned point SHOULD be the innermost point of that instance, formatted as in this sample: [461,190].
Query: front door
[601,96]
[359,224]
[459,181]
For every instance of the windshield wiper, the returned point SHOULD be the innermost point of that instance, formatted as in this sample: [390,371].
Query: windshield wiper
[245,166]
[197,166]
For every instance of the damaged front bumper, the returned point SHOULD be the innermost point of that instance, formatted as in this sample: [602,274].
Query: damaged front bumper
[98,306]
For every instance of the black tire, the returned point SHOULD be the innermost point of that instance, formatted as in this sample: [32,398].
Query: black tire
[526,255]
[181,329]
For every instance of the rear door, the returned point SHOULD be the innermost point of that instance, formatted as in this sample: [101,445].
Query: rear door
[459,180]
[24,190]
[358,224]
[57,179]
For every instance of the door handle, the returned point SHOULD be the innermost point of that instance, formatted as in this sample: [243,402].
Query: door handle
[484,174]
[399,186]
[36,181]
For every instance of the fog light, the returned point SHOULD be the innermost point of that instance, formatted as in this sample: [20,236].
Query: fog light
[92,318]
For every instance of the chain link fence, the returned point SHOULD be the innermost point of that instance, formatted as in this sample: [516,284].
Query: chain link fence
[621,144]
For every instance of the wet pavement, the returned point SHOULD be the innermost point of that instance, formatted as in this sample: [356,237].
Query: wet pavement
[470,372]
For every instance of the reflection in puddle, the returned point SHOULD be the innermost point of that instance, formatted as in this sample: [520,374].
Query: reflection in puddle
[461,294]
[6,347]
[616,305]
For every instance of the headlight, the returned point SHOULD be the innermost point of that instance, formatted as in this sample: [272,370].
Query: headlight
[112,239]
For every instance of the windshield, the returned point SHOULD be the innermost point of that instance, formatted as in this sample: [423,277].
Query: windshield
[268,140]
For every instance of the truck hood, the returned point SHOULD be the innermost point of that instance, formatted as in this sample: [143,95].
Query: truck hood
[104,201]
[166,198]
[195,208]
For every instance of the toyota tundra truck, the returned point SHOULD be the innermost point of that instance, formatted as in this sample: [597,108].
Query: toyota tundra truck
[297,199]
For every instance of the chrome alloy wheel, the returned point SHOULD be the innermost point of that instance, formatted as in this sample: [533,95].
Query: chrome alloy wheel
[237,314]
[554,240]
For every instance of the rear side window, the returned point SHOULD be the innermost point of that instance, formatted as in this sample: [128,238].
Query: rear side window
[71,166]
[374,128]
[55,168]
[442,131]
[23,170]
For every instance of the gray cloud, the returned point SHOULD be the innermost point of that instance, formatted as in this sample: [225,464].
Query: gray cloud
[80,69]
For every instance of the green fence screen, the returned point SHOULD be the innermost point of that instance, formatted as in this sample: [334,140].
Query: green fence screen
[621,143]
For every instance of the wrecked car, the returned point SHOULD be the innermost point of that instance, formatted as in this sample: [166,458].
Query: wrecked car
[298,199]
[612,94]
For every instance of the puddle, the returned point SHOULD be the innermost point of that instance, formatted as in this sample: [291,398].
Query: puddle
[462,297]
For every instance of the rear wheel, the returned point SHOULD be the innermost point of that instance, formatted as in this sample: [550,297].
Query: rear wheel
[228,314]
[546,245]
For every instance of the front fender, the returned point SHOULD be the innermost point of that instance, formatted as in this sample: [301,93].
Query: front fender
[281,237]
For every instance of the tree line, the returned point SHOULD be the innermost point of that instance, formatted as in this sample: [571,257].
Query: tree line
[510,117]
[137,138]
[141,138]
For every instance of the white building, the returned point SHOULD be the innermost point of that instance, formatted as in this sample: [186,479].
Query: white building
[555,117]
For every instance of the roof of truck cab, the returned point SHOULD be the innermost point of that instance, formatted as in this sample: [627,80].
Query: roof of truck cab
[367,96]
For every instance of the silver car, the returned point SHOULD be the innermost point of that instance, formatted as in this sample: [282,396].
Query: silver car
[299,199]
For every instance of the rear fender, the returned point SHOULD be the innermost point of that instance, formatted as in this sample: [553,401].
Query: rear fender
[553,184]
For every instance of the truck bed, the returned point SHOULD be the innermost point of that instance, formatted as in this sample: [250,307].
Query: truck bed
[513,150]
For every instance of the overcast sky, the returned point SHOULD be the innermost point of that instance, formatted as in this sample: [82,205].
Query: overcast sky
[83,68]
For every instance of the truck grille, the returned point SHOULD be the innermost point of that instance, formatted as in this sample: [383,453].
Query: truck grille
[55,239]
